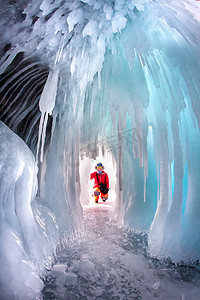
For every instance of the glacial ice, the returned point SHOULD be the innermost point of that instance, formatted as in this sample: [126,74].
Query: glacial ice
[30,230]
[124,78]
[19,239]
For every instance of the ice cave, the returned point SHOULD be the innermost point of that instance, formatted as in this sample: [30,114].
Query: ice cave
[83,81]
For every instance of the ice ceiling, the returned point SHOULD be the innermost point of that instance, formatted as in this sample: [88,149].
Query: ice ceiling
[77,76]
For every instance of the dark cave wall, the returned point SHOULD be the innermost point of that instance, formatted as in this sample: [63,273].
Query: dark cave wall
[21,85]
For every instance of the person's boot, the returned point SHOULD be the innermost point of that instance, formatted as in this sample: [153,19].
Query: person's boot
[104,199]
[96,196]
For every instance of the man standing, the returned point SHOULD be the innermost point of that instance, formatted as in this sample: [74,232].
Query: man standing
[101,183]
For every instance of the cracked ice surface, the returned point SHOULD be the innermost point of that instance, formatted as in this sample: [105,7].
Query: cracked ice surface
[109,262]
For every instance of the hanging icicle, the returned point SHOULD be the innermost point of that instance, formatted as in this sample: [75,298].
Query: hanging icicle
[46,105]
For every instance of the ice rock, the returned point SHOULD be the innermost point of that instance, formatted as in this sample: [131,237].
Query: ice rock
[70,278]
[83,268]
[156,285]
[91,29]
[118,22]
[108,11]
[74,17]
[19,238]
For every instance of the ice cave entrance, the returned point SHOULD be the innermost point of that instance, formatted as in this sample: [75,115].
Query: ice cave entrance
[87,166]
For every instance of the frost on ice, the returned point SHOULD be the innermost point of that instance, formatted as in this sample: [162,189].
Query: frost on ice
[125,78]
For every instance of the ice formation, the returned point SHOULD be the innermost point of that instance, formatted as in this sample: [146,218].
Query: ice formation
[26,240]
[124,77]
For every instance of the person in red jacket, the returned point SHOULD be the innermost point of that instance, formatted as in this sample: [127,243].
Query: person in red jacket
[101,183]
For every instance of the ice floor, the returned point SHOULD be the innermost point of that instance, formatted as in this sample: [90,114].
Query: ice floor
[109,262]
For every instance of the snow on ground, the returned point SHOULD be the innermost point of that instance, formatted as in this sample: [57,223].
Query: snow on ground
[109,262]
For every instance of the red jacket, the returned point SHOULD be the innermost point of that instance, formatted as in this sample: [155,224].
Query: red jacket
[103,178]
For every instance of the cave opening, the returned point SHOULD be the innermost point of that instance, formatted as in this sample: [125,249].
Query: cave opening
[87,166]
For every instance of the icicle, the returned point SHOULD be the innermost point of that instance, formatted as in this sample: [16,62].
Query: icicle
[145,188]
[46,105]
[47,102]
[39,135]
[60,50]
[5,62]
[43,136]
[99,79]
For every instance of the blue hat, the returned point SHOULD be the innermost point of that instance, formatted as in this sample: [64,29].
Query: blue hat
[99,165]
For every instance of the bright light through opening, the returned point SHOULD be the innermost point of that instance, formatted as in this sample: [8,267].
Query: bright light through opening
[87,166]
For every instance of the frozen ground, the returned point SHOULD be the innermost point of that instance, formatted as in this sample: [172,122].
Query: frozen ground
[109,262]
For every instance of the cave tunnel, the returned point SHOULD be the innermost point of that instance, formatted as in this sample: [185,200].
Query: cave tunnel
[86,81]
